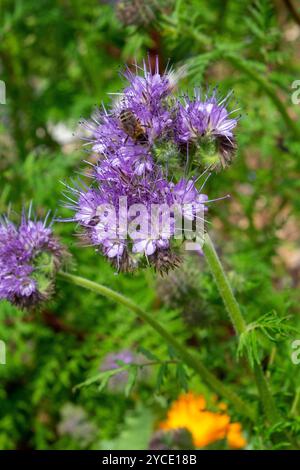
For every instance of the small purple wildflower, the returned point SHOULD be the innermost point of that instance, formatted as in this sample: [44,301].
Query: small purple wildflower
[118,381]
[30,255]
[115,360]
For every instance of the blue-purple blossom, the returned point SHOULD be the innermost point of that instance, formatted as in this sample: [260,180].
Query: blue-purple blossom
[146,97]
[29,257]
[198,117]
[98,212]
[149,146]
[206,123]
[188,197]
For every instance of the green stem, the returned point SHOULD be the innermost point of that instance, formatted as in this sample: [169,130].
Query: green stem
[269,406]
[224,286]
[295,405]
[240,326]
[188,358]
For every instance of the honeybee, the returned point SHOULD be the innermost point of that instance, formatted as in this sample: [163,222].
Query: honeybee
[132,126]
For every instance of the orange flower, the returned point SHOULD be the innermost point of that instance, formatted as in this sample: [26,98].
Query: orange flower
[235,437]
[206,427]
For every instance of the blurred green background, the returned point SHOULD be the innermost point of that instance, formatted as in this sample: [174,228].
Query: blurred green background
[58,60]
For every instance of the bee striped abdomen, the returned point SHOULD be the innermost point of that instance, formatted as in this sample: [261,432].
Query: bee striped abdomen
[131,126]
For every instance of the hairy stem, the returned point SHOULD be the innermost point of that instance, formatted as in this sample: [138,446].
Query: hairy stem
[224,286]
[188,358]
[240,326]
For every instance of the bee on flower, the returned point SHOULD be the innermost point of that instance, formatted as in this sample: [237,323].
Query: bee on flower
[149,146]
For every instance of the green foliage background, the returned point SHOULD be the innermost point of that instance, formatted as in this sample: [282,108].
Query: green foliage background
[60,58]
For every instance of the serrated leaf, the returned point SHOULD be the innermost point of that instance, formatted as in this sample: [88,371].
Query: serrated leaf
[182,376]
[102,376]
[172,353]
[148,354]
[132,375]
[162,372]
[103,383]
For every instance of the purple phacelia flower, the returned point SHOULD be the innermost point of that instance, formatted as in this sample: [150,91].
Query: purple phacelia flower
[146,96]
[146,108]
[208,125]
[30,256]
[198,117]
[101,214]
[188,197]
[150,145]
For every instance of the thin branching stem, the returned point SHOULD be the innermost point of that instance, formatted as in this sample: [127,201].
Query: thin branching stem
[186,356]
[239,325]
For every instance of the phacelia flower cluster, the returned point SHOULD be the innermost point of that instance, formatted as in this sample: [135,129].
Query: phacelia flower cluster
[145,195]
[30,255]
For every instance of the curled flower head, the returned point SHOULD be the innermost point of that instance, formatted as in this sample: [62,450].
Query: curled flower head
[147,97]
[30,256]
[146,191]
[206,123]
